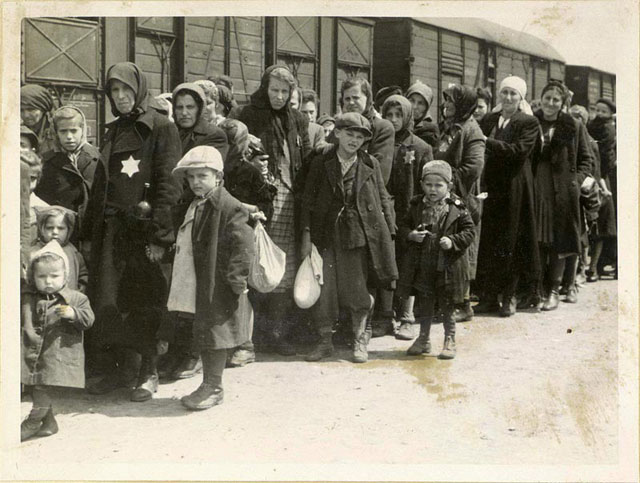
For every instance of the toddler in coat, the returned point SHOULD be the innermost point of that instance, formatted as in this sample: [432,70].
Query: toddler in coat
[214,250]
[435,267]
[53,317]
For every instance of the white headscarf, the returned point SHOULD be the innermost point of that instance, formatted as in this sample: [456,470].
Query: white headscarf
[519,85]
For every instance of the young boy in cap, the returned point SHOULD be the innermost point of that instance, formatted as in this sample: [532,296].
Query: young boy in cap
[348,214]
[435,267]
[214,250]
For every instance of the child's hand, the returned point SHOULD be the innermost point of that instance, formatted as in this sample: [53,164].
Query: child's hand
[257,215]
[162,347]
[482,196]
[418,235]
[446,243]
[66,312]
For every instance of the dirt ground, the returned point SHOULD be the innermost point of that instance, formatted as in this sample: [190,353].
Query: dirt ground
[531,389]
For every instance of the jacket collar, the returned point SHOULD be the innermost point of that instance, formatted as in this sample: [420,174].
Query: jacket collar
[146,119]
[66,293]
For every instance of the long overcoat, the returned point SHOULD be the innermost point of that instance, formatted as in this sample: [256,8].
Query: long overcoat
[508,244]
[459,228]
[323,201]
[223,248]
[52,348]
[571,160]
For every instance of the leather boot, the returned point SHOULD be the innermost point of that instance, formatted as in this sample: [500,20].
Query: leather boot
[241,357]
[189,367]
[361,337]
[508,307]
[552,302]
[422,345]
[449,347]
[205,397]
[572,295]
[49,424]
[147,380]
[30,426]
[463,312]
[323,349]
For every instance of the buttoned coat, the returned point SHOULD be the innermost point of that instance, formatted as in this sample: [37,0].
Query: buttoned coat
[571,161]
[223,249]
[323,201]
[458,227]
[52,347]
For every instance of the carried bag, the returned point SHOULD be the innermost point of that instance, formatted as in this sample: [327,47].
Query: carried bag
[269,263]
[308,283]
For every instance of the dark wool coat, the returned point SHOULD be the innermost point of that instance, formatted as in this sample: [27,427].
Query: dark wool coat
[571,160]
[404,181]
[52,348]
[64,185]
[323,200]
[465,154]
[428,131]
[604,132]
[223,249]
[204,134]
[508,245]
[246,183]
[459,227]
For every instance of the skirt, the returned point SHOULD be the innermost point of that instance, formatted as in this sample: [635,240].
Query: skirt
[281,229]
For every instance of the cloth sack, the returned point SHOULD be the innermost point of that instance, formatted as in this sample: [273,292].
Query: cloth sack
[308,283]
[268,266]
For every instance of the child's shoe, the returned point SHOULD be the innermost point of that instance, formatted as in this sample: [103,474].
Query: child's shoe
[449,349]
[49,425]
[189,367]
[407,331]
[360,354]
[241,357]
[422,345]
[552,302]
[30,426]
[205,397]
[323,349]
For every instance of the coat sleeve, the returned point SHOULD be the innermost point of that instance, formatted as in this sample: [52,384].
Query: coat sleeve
[585,159]
[515,153]
[311,186]
[386,201]
[240,240]
[96,196]
[465,234]
[84,313]
[83,273]
[472,163]
[381,147]
[166,154]
[407,223]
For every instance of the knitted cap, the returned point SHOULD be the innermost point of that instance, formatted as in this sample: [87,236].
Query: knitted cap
[440,168]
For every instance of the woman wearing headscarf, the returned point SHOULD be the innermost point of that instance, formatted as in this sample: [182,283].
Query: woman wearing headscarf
[36,106]
[129,224]
[410,154]
[603,129]
[508,248]
[563,163]
[421,97]
[462,145]
[285,136]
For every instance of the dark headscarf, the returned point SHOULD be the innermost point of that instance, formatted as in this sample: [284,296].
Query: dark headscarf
[33,95]
[131,75]
[281,119]
[195,91]
[404,104]
[465,99]
[384,94]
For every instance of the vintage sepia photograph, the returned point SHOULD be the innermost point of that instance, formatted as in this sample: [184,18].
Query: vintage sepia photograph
[334,241]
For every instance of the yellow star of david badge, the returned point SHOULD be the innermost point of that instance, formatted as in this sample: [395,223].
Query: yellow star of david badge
[130,166]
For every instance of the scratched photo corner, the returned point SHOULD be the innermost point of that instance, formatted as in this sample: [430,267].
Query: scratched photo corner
[333,247]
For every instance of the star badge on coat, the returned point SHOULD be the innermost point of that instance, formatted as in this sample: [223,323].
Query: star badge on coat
[130,166]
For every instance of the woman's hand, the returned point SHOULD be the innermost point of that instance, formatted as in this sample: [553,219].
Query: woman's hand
[154,252]
[446,243]
[418,235]
[261,163]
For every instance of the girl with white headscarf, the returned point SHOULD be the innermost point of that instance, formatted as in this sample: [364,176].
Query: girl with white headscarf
[508,252]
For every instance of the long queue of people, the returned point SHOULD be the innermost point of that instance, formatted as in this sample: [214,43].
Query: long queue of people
[138,255]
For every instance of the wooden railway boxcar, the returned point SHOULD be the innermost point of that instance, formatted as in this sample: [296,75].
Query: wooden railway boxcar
[440,51]
[589,85]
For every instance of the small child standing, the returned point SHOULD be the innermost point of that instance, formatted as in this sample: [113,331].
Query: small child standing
[53,318]
[435,267]
[214,250]
[57,223]
[68,170]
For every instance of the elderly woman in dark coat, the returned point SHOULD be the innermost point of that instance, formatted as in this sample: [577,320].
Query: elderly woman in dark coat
[36,106]
[421,97]
[559,170]
[508,245]
[284,134]
[462,145]
[603,129]
[128,239]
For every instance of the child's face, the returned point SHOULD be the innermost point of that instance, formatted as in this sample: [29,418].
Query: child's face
[395,117]
[419,106]
[69,133]
[328,128]
[349,140]
[55,228]
[434,187]
[49,276]
[25,143]
[202,180]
